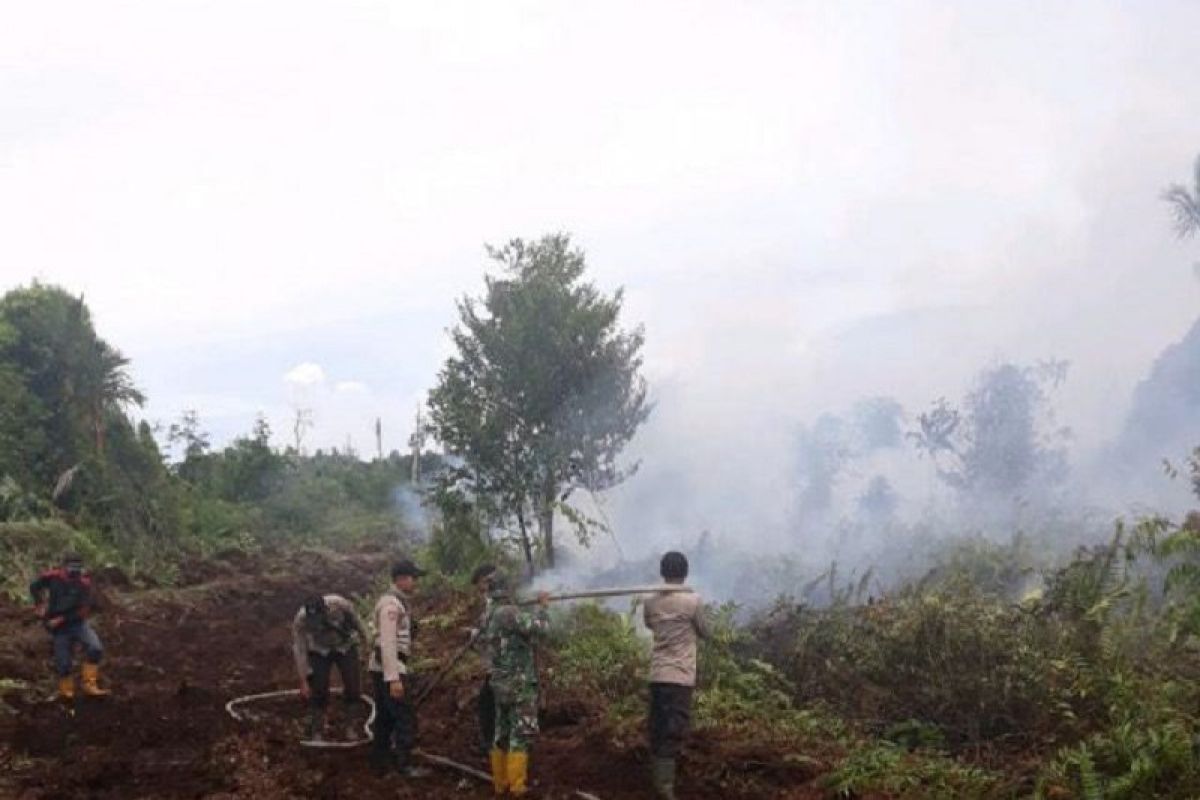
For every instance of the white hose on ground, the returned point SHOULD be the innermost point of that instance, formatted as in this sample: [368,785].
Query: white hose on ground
[232,708]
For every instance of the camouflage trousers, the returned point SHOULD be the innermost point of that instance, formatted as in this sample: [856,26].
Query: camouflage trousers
[516,722]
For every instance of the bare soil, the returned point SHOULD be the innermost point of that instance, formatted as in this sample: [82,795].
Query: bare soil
[175,657]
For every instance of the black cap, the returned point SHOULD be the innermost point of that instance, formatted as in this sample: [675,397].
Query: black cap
[314,606]
[405,566]
[483,571]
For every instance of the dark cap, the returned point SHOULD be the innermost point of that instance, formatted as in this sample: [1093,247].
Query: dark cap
[72,558]
[501,586]
[483,571]
[405,566]
[314,606]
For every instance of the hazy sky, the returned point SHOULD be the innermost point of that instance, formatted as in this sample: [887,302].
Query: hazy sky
[271,204]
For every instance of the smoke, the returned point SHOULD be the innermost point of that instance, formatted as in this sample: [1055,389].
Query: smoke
[880,493]
[412,511]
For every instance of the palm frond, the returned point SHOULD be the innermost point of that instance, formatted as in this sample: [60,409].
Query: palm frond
[1185,210]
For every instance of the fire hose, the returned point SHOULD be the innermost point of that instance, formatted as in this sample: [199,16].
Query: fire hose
[233,706]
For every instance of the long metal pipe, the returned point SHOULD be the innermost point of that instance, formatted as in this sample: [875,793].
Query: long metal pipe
[662,588]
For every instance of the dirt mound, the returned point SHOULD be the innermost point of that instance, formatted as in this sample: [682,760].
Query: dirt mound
[177,656]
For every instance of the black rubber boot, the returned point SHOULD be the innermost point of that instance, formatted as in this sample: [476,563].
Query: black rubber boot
[315,732]
[381,763]
[352,728]
[662,773]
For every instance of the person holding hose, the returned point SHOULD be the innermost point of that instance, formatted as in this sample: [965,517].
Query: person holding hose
[325,634]
[676,620]
[63,599]
[512,634]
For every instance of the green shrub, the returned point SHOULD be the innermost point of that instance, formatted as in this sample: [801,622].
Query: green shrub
[887,768]
[600,656]
[27,548]
[1125,763]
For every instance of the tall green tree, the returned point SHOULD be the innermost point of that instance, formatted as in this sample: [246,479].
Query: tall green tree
[79,381]
[1185,204]
[542,394]
[64,435]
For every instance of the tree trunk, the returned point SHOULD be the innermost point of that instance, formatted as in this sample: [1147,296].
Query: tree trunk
[526,545]
[98,429]
[546,526]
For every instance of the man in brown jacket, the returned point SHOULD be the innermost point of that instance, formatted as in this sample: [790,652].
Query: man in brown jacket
[677,620]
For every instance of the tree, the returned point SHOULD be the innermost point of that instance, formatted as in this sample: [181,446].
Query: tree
[78,380]
[249,470]
[193,465]
[1185,204]
[542,394]
[1003,443]
[65,440]
[103,387]
[878,502]
[822,452]
[832,445]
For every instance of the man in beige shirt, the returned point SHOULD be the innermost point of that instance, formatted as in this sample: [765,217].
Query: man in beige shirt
[676,620]
[325,634]
[395,728]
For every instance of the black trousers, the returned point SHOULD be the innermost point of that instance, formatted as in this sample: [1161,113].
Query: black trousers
[322,667]
[670,718]
[395,726]
[487,713]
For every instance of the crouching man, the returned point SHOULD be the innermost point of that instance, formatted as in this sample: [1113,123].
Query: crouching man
[325,635]
[676,620]
[395,728]
[512,634]
[63,599]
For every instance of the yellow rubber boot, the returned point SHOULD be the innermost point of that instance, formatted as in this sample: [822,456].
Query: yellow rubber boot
[517,767]
[91,681]
[66,688]
[499,773]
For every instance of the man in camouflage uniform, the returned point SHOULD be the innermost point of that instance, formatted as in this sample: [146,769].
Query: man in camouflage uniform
[512,634]
[395,729]
[481,579]
[325,634]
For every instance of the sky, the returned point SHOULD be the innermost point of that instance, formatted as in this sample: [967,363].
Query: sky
[274,205]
